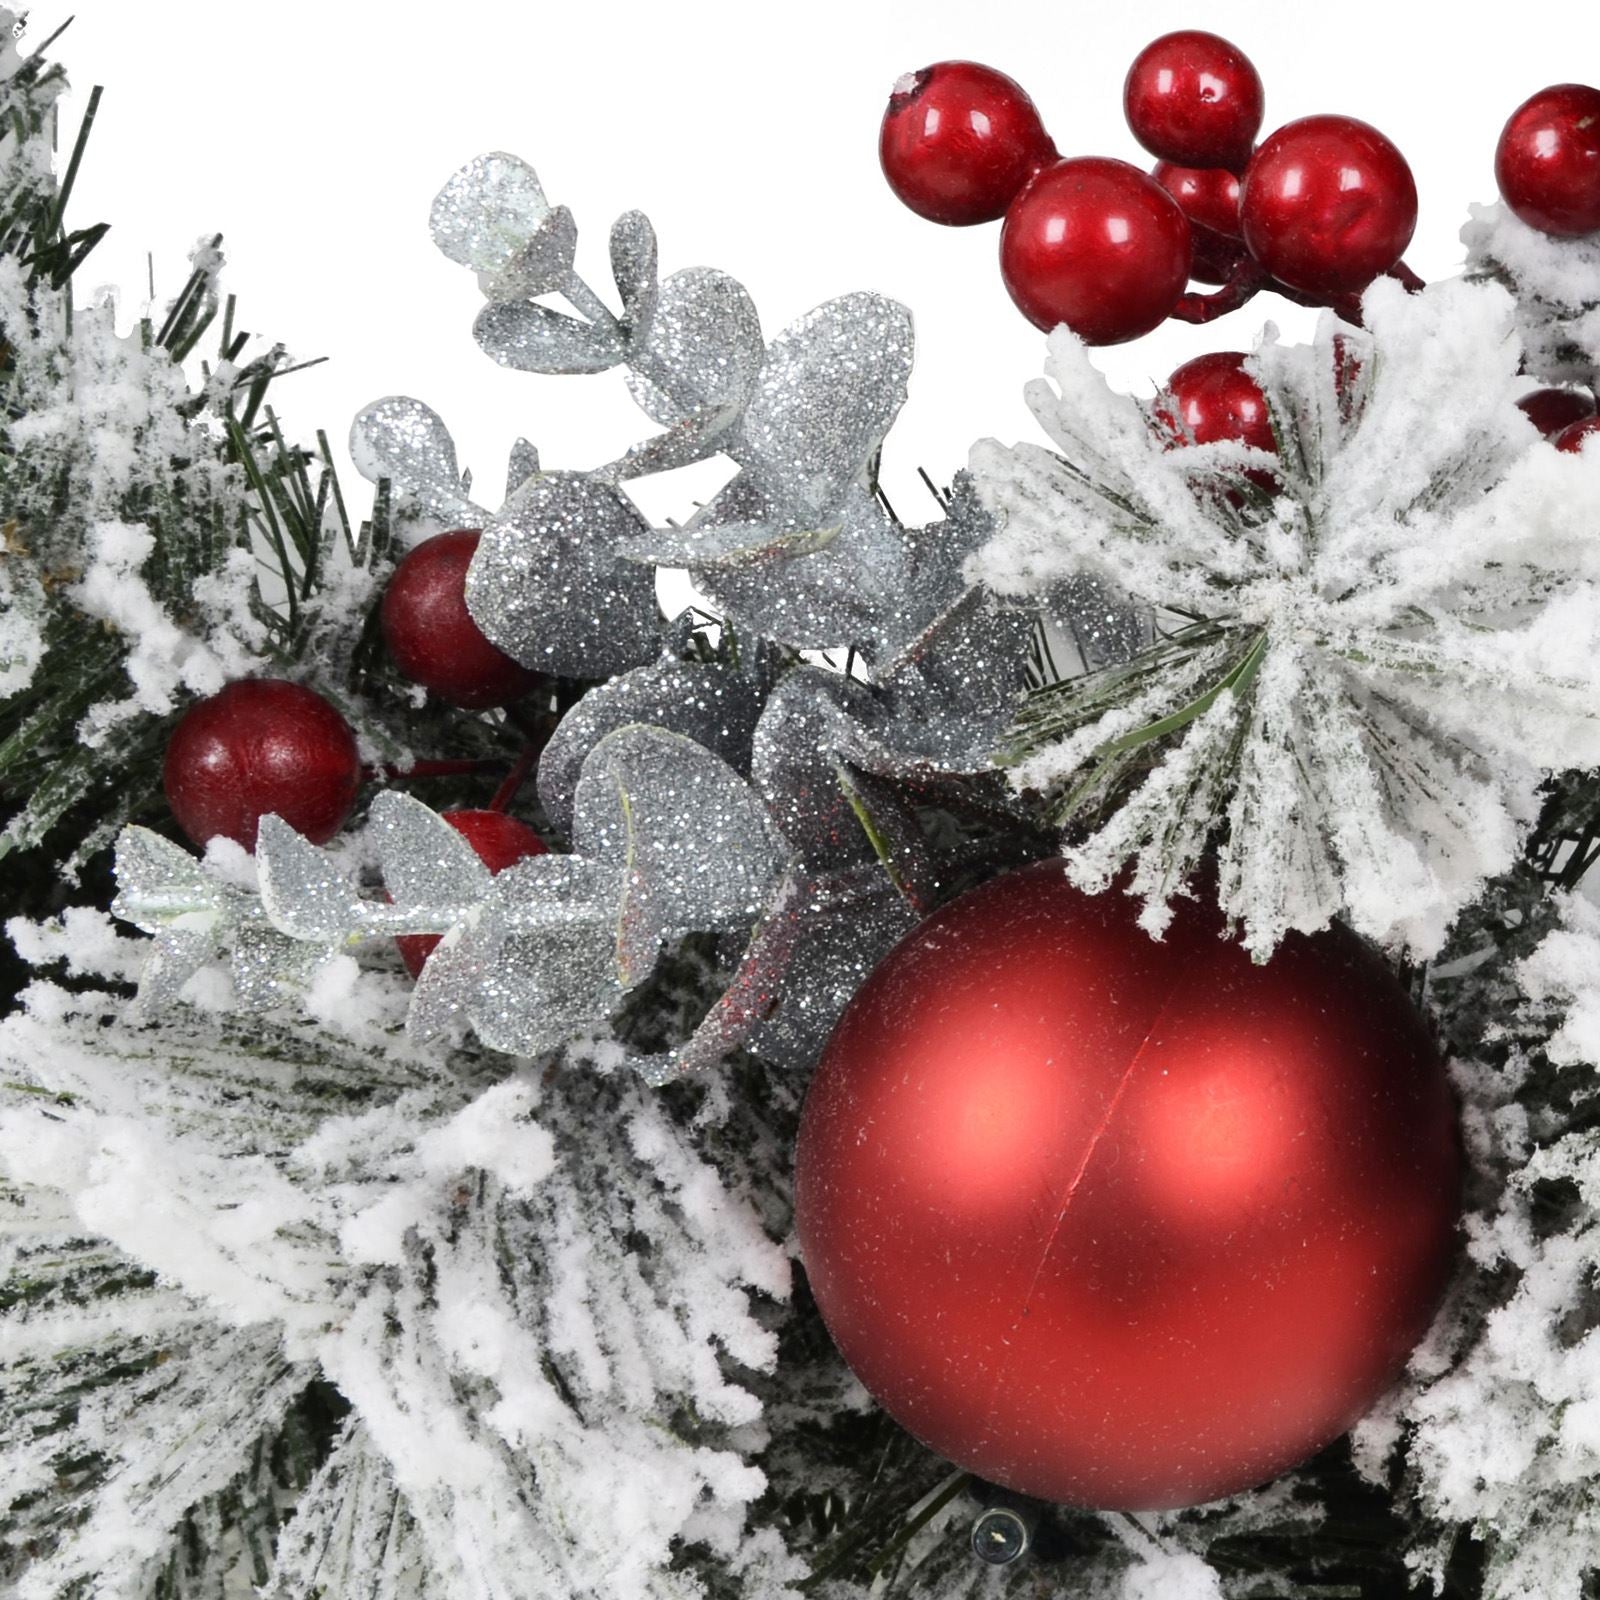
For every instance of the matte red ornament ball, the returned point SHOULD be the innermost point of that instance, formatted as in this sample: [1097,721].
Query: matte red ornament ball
[431,635]
[1572,439]
[1552,410]
[1193,98]
[1328,204]
[261,745]
[1547,162]
[1209,197]
[499,841]
[1119,1223]
[959,140]
[1096,244]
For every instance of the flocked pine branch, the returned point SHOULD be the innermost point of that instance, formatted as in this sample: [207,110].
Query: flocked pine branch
[1370,668]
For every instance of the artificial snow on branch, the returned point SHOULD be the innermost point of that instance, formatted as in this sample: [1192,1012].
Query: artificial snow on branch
[1369,666]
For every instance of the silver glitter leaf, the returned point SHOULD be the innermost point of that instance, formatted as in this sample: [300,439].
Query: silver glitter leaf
[822,936]
[267,966]
[533,964]
[447,983]
[951,693]
[813,596]
[542,266]
[523,464]
[488,211]
[423,859]
[689,833]
[728,546]
[546,584]
[832,384]
[702,347]
[713,705]
[1104,627]
[405,441]
[633,267]
[532,338]
[700,434]
[158,881]
[180,950]
[303,892]
[807,719]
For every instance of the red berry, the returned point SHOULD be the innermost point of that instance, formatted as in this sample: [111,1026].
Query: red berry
[261,745]
[1210,200]
[959,140]
[1195,99]
[1551,410]
[1548,160]
[1209,195]
[1213,397]
[431,634]
[1098,245]
[499,842]
[1574,438]
[1328,204]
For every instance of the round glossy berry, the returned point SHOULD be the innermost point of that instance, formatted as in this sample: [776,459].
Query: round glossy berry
[1195,99]
[261,746]
[1574,438]
[1548,160]
[498,841]
[1552,410]
[431,635]
[1209,197]
[1328,204]
[959,140]
[1098,245]
[1212,398]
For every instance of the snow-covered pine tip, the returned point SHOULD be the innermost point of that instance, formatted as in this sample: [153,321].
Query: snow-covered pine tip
[1498,1419]
[1360,680]
[1557,285]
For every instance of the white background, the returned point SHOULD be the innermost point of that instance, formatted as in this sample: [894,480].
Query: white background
[313,138]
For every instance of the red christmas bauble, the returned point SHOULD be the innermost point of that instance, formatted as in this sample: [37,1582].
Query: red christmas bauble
[499,841]
[959,140]
[1547,163]
[261,745]
[1098,245]
[1193,98]
[1328,204]
[1573,438]
[431,635]
[1552,410]
[1120,1223]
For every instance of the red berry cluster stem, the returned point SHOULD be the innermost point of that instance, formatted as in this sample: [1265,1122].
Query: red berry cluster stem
[1317,211]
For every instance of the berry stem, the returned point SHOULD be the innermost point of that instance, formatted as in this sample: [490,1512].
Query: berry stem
[1407,278]
[518,775]
[1247,280]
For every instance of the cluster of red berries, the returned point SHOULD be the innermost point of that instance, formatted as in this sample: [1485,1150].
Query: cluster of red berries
[267,746]
[1316,211]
